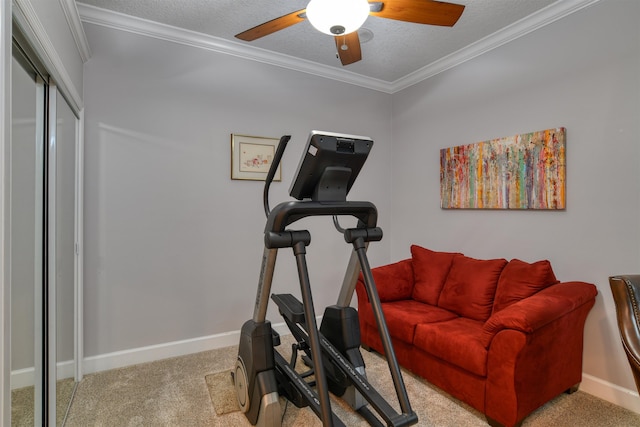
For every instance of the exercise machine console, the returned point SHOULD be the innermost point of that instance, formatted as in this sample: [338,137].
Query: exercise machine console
[327,170]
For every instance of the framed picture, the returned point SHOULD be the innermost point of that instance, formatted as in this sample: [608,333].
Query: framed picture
[525,171]
[251,157]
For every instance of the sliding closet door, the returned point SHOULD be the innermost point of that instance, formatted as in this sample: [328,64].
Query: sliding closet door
[26,236]
[43,251]
[65,253]
[60,254]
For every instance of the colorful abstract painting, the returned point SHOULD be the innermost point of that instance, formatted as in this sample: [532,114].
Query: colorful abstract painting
[524,171]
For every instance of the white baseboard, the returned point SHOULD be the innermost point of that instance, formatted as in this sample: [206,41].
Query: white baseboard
[605,390]
[120,359]
[26,377]
[21,378]
[628,399]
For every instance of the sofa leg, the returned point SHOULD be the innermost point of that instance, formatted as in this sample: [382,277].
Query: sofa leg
[494,423]
[366,347]
[572,389]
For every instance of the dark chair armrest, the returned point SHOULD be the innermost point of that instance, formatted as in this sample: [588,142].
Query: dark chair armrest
[626,294]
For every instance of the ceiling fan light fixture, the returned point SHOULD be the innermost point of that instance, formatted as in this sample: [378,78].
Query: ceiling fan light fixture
[336,17]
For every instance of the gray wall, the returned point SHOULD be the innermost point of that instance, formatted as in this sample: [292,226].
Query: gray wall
[173,245]
[583,73]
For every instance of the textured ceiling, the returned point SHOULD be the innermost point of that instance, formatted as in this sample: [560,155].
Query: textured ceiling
[396,50]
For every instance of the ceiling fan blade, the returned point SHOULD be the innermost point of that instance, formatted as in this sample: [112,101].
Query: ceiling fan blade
[348,46]
[272,26]
[421,12]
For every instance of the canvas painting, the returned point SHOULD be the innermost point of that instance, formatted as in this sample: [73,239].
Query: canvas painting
[525,171]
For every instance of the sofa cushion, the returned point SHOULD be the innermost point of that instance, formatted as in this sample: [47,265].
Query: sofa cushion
[393,281]
[430,270]
[520,280]
[471,286]
[457,341]
[403,316]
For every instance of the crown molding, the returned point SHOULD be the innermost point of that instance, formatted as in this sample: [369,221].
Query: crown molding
[119,21]
[526,25]
[75,25]
[545,16]
[25,16]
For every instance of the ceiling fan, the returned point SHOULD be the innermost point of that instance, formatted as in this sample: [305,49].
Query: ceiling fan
[428,12]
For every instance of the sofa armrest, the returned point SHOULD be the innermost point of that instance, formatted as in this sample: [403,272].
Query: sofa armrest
[536,354]
[540,309]
[394,282]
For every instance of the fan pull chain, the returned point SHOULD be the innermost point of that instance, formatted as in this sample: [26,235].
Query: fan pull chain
[344,43]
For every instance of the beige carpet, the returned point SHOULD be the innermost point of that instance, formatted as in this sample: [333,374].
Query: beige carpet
[22,403]
[434,407]
[175,392]
[222,392]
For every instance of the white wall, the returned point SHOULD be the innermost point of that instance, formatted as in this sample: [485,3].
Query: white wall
[583,73]
[172,245]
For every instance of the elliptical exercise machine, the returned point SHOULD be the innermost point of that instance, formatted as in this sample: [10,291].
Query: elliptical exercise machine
[327,170]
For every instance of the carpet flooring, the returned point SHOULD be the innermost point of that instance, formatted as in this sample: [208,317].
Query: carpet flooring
[22,403]
[196,390]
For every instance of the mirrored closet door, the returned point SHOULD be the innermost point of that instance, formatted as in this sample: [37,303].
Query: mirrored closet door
[62,190]
[43,249]
[26,230]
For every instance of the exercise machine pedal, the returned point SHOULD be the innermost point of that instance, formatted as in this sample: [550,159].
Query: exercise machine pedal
[290,307]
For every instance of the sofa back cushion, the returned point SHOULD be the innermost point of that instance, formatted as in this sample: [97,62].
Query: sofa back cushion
[471,286]
[394,282]
[520,280]
[430,270]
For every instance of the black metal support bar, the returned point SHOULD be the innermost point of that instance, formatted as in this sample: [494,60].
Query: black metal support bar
[353,267]
[349,282]
[374,298]
[264,284]
[360,248]
[310,319]
[286,213]
[286,239]
[367,234]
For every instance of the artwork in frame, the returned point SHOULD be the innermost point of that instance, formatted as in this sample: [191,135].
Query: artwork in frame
[251,157]
[525,171]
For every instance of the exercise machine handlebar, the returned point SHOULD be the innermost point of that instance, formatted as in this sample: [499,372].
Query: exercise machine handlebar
[272,171]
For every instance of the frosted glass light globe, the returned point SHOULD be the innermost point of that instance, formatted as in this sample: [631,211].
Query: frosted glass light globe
[336,17]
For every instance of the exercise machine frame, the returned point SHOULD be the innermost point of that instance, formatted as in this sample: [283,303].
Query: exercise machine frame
[262,374]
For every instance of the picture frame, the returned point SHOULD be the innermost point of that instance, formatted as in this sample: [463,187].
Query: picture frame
[525,171]
[251,157]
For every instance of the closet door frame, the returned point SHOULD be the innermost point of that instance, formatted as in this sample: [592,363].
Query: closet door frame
[5,282]
[20,19]
[50,336]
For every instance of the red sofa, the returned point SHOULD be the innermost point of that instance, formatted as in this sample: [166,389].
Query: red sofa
[504,337]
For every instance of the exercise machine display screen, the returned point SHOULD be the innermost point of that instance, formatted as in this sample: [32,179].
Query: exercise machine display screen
[329,166]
